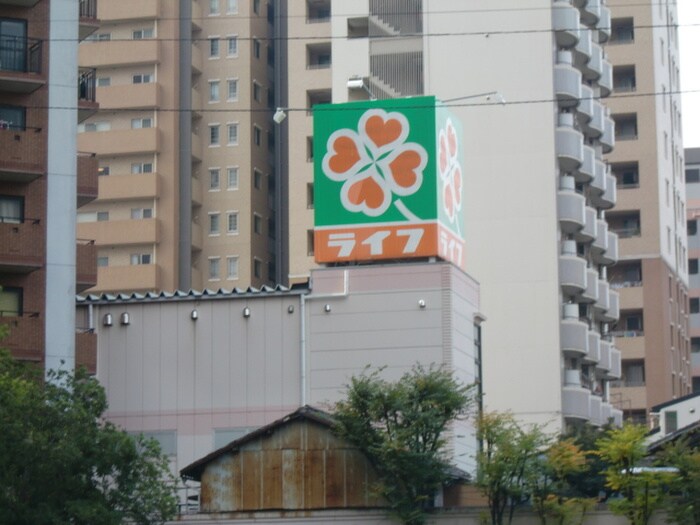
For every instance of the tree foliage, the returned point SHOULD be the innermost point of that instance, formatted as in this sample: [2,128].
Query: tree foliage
[61,463]
[683,501]
[399,427]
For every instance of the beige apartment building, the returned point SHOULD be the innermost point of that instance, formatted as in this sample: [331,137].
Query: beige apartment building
[650,215]
[692,180]
[184,142]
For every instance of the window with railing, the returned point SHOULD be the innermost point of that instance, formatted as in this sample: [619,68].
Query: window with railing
[625,224]
[622,31]
[626,174]
[318,11]
[624,79]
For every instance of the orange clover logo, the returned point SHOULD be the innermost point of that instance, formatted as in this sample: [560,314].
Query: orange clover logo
[375,163]
[450,171]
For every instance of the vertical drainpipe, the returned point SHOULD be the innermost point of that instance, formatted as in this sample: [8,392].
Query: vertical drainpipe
[281,146]
[184,245]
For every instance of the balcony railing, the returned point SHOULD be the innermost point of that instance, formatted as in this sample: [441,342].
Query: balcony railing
[87,84]
[627,333]
[88,8]
[20,54]
[625,284]
[623,233]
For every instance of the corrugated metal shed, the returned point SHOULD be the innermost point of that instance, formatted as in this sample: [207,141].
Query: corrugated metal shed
[293,463]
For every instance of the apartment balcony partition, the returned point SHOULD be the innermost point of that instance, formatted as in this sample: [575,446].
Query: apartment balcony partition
[569,144]
[87,103]
[607,139]
[143,277]
[605,82]
[197,59]
[121,232]
[591,12]
[576,402]
[86,265]
[611,254]
[196,147]
[596,126]
[87,190]
[572,272]
[604,25]
[88,22]
[600,243]
[110,11]
[571,206]
[586,171]
[128,187]
[119,53]
[584,110]
[196,237]
[567,81]
[615,364]
[120,142]
[19,161]
[196,17]
[599,182]
[608,198]
[590,294]
[593,69]
[566,21]
[129,96]
[612,314]
[605,412]
[603,303]
[590,228]
[573,333]
[86,350]
[25,339]
[604,363]
[593,347]
[583,50]
[22,245]
[20,64]
[197,197]
[596,410]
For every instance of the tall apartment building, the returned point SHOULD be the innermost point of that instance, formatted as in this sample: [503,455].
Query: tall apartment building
[692,181]
[650,215]
[184,143]
[43,179]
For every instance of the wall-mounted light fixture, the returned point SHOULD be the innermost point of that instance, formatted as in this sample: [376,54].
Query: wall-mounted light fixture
[279,115]
[421,303]
[194,315]
[327,308]
[246,312]
[125,319]
[107,320]
[290,309]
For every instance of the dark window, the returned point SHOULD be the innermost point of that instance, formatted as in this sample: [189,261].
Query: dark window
[10,301]
[13,44]
[622,31]
[692,227]
[671,420]
[13,117]
[695,305]
[692,266]
[695,344]
[692,175]
[625,126]
[309,242]
[626,174]
[633,373]
[624,78]
[11,209]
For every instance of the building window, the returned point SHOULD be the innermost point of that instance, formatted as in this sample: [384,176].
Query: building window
[625,126]
[102,170]
[214,219]
[694,305]
[214,182]
[232,84]
[213,7]
[213,134]
[257,224]
[214,268]
[232,46]
[102,261]
[622,31]
[12,117]
[626,174]
[633,373]
[140,34]
[318,56]
[671,421]
[139,123]
[141,213]
[232,219]
[624,79]
[232,267]
[232,134]
[140,258]
[232,176]
[213,91]
[257,267]
[310,242]
[692,266]
[310,195]
[10,301]
[692,227]
[11,209]
[695,344]
[257,135]
[257,179]
[102,216]
[214,47]
[692,175]
[625,224]
[141,167]
[142,78]
[104,81]
[257,91]
[256,7]
[256,48]
[232,7]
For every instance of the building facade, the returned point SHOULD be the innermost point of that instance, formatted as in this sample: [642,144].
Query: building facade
[43,179]
[692,181]
[650,215]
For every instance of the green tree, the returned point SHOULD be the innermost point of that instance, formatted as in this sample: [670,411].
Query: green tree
[60,463]
[591,482]
[399,427]
[640,491]
[683,502]
[508,458]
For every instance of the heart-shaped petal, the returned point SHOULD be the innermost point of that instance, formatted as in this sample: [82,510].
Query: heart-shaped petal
[443,154]
[457,181]
[366,193]
[448,201]
[381,131]
[452,140]
[404,168]
[346,155]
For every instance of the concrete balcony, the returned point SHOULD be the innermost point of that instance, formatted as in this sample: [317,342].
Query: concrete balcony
[596,126]
[593,69]
[605,82]
[128,10]
[119,53]
[18,159]
[612,314]
[569,147]
[573,335]
[604,25]
[566,22]
[605,412]
[22,246]
[607,139]
[137,277]
[87,178]
[616,415]
[590,228]
[591,12]
[196,147]
[593,347]
[600,243]
[86,351]
[120,142]
[196,17]
[25,340]
[572,274]
[567,85]
[631,296]
[87,21]
[609,197]
[129,96]
[129,187]
[599,182]
[584,110]
[586,171]
[86,265]
[615,364]
[583,50]
[197,60]
[121,233]
[196,237]
[590,294]
[197,197]
[611,255]
[603,303]
[576,403]
[604,363]
[596,405]
[571,206]
[20,67]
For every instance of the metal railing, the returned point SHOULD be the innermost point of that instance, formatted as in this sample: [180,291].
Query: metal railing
[87,83]
[20,54]
[88,8]
[403,16]
[13,219]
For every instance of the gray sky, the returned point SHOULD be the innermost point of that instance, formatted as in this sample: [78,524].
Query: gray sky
[689,13]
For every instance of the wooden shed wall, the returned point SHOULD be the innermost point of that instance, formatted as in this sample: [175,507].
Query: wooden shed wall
[301,465]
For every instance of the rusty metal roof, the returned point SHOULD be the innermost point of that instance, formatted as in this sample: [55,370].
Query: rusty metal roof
[194,470]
